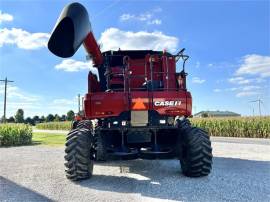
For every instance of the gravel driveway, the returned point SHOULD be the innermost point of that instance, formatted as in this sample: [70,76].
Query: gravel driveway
[241,172]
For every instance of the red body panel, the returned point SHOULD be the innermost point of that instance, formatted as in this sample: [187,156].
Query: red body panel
[180,103]
[105,104]
[108,104]
[128,89]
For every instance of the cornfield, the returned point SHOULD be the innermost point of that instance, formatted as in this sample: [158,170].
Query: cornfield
[54,125]
[252,127]
[15,134]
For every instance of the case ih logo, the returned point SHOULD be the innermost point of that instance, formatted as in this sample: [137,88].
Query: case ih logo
[167,103]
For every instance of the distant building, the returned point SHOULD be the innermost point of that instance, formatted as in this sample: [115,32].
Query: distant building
[216,114]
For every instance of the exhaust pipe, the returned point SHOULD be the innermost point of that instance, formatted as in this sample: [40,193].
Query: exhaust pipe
[71,30]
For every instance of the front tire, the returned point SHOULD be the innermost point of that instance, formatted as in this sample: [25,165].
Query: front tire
[196,151]
[79,154]
[100,146]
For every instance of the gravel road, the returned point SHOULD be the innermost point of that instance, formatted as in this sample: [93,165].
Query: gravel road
[241,172]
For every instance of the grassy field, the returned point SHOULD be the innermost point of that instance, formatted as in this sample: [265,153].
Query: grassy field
[49,139]
[252,127]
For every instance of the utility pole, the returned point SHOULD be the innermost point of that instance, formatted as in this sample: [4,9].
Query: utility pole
[259,104]
[5,97]
[79,103]
[195,108]
[82,103]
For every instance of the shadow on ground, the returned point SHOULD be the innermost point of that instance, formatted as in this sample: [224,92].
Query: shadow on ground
[10,191]
[163,180]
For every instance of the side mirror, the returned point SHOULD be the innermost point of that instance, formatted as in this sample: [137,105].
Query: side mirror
[181,51]
[179,54]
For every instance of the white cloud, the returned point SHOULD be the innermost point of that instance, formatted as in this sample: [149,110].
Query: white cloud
[18,98]
[247,93]
[255,65]
[23,39]
[249,78]
[62,105]
[244,90]
[63,102]
[148,17]
[248,88]
[38,108]
[141,17]
[71,65]
[155,22]
[126,16]
[232,89]
[197,80]
[30,109]
[198,64]
[217,90]
[5,17]
[221,65]
[34,104]
[113,39]
[15,93]
[241,80]
[157,10]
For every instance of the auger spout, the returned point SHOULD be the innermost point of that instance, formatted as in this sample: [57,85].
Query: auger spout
[72,29]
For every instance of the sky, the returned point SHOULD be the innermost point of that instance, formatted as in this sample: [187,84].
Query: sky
[228,43]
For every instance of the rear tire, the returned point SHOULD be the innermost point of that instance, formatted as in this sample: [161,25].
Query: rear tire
[85,124]
[195,152]
[79,154]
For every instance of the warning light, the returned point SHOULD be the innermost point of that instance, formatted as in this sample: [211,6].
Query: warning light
[138,104]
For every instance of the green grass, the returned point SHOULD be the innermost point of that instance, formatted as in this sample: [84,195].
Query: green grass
[48,139]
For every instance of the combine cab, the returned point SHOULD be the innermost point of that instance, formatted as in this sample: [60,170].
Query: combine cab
[136,107]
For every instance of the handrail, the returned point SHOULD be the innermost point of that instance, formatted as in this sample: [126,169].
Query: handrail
[140,75]
[127,75]
[156,90]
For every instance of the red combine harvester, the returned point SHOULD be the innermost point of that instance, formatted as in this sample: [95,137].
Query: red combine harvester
[137,106]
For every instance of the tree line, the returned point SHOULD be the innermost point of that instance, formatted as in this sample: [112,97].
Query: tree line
[19,118]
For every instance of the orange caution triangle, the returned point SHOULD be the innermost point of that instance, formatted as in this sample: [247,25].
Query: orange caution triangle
[139,104]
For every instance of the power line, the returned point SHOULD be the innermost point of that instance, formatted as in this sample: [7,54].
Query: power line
[259,105]
[195,108]
[5,97]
